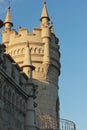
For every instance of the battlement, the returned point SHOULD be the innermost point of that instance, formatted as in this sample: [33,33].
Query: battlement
[23,35]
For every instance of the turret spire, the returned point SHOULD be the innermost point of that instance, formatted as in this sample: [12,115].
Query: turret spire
[28,67]
[8,21]
[44,12]
[45,34]
[27,55]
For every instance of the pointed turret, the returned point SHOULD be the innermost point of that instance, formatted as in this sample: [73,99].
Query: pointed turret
[45,33]
[8,21]
[28,67]
[44,17]
[44,12]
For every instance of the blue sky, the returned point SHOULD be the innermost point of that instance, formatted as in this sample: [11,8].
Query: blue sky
[70,25]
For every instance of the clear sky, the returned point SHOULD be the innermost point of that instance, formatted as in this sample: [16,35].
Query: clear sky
[70,25]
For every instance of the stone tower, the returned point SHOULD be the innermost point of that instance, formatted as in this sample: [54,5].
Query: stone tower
[43,50]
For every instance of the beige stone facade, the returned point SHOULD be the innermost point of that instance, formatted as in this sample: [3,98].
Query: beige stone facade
[39,49]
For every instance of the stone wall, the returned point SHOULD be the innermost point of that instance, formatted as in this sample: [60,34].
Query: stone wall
[12,95]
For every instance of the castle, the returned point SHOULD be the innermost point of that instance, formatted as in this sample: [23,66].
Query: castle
[29,72]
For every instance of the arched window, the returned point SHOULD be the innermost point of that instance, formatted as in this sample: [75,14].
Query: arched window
[22,50]
[20,103]
[17,102]
[38,69]
[23,106]
[31,50]
[42,69]
[5,92]
[13,99]
[14,52]
[35,50]
[40,50]
[18,52]
[0,89]
[9,95]
[43,51]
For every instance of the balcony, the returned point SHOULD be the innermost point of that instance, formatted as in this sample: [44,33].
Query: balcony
[67,125]
[47,122]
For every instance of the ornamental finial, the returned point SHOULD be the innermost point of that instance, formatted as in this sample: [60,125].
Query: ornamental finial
[44,1]
[9,4]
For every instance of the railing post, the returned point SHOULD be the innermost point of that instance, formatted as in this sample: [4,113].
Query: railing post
[67,125]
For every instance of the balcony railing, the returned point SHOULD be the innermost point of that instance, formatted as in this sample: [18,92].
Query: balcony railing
[67,125]
[47,122]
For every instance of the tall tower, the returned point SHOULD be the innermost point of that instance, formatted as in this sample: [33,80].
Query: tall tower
[44,50]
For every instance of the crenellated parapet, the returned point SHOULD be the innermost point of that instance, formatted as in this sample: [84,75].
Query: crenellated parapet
[14,37]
